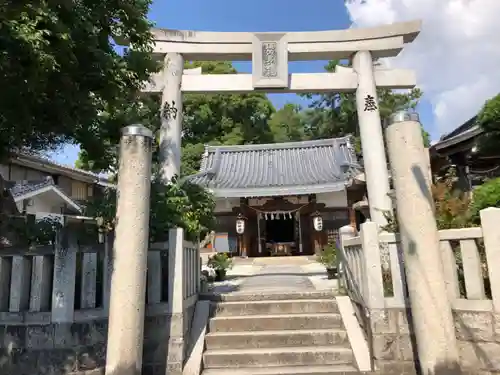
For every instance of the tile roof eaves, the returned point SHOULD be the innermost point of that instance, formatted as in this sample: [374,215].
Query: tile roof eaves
[273,191]
[273,146]
[461,137]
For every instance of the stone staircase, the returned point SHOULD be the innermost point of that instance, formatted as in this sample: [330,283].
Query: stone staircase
[288,333]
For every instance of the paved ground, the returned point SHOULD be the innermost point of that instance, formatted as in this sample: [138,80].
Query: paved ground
[276,273]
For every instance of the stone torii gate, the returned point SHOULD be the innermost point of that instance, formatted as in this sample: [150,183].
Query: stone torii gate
[270,54]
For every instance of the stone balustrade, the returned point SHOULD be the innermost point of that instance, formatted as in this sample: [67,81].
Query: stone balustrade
[470,258]
[54,303]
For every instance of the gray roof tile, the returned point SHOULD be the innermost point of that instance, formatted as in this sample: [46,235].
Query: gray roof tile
[18,188]
[278,169]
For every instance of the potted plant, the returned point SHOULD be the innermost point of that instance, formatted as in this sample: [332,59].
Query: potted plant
[220,262]
[328,258]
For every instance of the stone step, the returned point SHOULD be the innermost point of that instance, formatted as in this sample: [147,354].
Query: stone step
[275,322]
[277,339]
[295,356]
[303,306]
[267,296]
[285,370]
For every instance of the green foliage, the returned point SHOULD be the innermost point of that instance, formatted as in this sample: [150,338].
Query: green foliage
[335,115]
[220,262]
[328,256]
[287,124]
[173,205]
[29,231]
[62,78]
[207,119]
[392,225]
[489,120]
[486,195]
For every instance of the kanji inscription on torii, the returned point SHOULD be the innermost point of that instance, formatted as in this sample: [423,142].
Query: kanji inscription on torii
[370,104]
[270,59]
[169,111]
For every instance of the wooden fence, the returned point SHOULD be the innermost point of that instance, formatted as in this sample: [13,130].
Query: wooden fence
[69,282]
[470,257]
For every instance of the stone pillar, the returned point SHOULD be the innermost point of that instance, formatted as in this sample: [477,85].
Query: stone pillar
[154,277]
[171,116]
[372,140]
[128,280]
[175,350]
[89,281]
[20,284]
[63,290]
[5,272]
[431,311]
[40,283]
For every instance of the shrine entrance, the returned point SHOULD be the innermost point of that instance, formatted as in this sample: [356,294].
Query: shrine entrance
[270,54]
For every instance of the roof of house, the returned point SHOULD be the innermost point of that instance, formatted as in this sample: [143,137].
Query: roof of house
[42,163]
[21,190]
[464,132]
[306,167]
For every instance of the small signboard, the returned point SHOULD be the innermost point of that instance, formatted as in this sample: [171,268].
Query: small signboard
[221,243]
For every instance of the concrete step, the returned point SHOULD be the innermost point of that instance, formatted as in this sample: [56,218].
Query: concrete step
[285,370]
[267,296]
[295,356]
[275,307]
[275,322]
[277,339]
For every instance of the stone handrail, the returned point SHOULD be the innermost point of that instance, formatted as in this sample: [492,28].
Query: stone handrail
[68,283]
[469,257]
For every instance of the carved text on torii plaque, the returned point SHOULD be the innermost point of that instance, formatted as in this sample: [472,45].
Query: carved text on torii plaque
[270,59]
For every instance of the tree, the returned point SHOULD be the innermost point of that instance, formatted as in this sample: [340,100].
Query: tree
[486,195]
[287,124]
[489,120]
[61,76]
[207,119]
[335,115]
[183,205]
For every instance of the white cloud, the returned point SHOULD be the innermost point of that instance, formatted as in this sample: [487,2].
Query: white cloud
[456,56]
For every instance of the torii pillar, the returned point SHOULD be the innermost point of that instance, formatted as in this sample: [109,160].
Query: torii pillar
[372,139]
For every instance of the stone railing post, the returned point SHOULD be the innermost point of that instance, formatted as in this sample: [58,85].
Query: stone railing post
[372,286]
[20,283]
[433,322]
[128,279]
[5,271]
[63,290]
[345,232]
[490,217]
[175,351]
[41,283]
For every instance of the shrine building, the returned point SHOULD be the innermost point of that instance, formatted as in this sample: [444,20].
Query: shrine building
[278,189]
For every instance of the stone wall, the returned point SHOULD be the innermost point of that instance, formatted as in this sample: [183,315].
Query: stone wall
[76,348]
[478,334]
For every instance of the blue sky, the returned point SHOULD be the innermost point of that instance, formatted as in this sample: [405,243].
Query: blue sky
[258,16]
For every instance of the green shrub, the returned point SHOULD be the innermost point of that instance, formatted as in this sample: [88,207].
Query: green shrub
[328,256]
[486,195]
[220,261]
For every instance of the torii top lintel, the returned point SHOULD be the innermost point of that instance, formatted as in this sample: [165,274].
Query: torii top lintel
[383,41]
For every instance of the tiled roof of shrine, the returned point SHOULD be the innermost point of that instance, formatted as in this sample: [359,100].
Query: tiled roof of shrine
[291,168]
